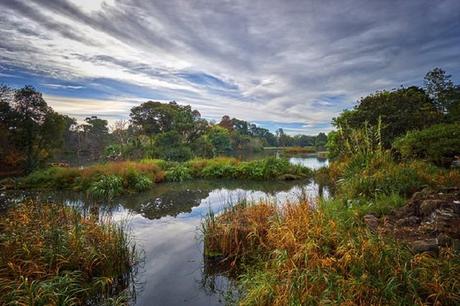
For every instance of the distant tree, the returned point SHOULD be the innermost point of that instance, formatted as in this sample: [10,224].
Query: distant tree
[439,87]
[152,117]
[33,130]
[321,141]
[220,139]
[284,140]
[155,117]
[120,132]
[226,123]
[95,135]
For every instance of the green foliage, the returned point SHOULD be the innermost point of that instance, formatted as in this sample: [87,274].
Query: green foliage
[220,139]
[347,141]
[178,173]
[106,187]
[142,183]
[399,111]
[137,181]
[438,144]
[380,177]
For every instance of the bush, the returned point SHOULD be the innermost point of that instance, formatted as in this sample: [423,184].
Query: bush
[40,178]
[438,144]
[373,174]
[107,187]
[178,173]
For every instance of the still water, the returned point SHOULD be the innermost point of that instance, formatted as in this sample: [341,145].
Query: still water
[165,223]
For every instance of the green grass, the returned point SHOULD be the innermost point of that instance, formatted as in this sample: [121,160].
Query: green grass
[109,180]
[50,254]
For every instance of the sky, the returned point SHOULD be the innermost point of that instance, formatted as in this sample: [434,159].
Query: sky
[285,63]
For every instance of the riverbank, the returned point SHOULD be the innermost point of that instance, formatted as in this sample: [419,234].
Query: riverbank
[50,254]
[305,252]
[115,178]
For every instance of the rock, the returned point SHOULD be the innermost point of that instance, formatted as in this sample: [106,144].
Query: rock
[444,240]
[428,206]
[447,221]
[372,222]
[409,221]
[427,245]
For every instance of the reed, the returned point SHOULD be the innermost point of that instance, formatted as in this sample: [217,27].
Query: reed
[301,254]
[50,254]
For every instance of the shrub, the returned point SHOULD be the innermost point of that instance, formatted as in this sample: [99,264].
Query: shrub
[216,170]
[40,178]
[438,144]
[139,182]
[178,173]
[107,187]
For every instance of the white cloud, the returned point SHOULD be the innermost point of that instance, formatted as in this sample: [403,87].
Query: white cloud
[286,59]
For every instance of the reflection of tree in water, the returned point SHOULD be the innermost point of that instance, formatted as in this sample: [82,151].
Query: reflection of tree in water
[171,199]
[166,199]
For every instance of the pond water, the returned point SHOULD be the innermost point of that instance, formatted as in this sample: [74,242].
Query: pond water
[165,223]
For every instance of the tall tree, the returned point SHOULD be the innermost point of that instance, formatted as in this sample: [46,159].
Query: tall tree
[35,131]
[440,88]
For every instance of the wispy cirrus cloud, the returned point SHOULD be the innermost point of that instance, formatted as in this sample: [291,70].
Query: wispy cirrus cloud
[292,64]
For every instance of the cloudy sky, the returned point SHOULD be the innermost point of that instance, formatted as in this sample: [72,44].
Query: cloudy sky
[290,64]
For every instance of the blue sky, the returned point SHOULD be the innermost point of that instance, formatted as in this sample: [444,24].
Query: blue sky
[290,64]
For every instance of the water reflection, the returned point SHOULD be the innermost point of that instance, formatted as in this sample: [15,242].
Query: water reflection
[165,223]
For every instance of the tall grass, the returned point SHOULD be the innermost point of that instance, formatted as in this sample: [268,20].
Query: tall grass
[300,255]
[50,254]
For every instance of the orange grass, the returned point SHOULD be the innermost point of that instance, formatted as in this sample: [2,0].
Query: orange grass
[299,255]
[52,255]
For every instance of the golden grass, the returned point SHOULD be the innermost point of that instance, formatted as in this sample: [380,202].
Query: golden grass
[52,255]
[299,255]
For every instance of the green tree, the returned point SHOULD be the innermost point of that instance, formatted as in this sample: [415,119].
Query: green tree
[321,141]
[35,131]
[440,88]
[220,139]
[399,110]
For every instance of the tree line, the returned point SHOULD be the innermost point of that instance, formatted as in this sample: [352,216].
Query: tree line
[32,134]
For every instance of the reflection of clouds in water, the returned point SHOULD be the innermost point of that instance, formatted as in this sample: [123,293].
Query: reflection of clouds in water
[218,199]
[310,162]
[173,263]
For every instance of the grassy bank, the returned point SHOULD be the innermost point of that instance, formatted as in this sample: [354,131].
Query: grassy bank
[322,253]
[52,255]
[114,178]
[297,254]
